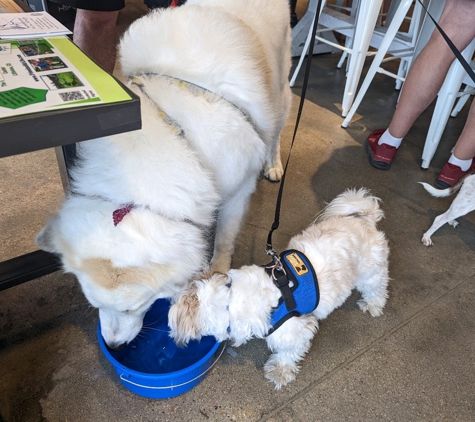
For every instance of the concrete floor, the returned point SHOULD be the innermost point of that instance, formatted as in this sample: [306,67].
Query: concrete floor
[415,363]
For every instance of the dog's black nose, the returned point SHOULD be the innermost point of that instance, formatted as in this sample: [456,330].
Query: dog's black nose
[115,347]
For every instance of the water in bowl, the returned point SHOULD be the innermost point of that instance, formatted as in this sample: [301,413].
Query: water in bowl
[154,352]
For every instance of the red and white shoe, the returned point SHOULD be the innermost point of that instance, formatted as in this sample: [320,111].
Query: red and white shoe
[451,174]
[380,156]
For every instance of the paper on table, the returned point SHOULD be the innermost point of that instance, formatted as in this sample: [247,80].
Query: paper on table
[49,74]
[30,25]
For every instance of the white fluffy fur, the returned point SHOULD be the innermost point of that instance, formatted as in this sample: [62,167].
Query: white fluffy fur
[346,250]
[238,49]
[463,203]
[180,187]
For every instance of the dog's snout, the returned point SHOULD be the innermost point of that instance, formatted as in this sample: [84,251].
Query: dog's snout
[115,347]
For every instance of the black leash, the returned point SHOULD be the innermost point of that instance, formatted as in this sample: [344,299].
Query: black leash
[275,225]
[454,49]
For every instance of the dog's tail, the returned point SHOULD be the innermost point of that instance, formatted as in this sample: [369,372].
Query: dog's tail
[353,203]
[441,193]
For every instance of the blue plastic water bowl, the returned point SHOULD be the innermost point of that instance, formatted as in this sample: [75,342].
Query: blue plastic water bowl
[153,366]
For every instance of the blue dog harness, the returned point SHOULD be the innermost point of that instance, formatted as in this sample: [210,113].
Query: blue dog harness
[297,281]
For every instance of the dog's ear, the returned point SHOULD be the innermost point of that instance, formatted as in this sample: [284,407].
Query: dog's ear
[45,238]
[213,294]
[183,317]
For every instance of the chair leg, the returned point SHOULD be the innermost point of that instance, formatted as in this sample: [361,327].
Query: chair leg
[349,39]
[369,10]
[309,15]
[461,102]
[378,58]
[345,54]
[302,56]
[439,120]
[402,72]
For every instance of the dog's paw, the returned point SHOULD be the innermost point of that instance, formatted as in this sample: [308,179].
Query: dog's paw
[453,223]
[274,174]
[373,309]
[427,241]
[278,373]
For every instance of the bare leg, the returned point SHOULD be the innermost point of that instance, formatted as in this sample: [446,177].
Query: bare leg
[95,34]
[430,68]
[465,147]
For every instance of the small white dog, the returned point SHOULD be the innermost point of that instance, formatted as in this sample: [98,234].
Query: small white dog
[463,203]
[346,251]
[212,77]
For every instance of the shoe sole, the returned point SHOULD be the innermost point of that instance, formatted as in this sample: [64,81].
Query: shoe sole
[441,185]
[381,165]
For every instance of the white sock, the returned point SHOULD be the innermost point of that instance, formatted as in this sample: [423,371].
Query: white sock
[388,139]
[463,164]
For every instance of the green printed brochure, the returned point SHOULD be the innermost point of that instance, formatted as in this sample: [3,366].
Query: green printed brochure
[51,73]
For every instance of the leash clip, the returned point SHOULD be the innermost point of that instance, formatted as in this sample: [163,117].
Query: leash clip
[277,263]
[279,277]
[275,257]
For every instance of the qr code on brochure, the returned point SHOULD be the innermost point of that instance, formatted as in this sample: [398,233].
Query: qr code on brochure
[71,96]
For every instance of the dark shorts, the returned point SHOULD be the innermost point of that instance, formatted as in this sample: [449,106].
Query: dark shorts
[99,5]
[109,5]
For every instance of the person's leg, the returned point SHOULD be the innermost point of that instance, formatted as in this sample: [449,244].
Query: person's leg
[462,159]
[95,34]
[428,72]
[424,80]
[465,147]
[95,28]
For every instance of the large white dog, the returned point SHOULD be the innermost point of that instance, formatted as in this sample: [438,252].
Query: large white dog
[212,76]
[346,250]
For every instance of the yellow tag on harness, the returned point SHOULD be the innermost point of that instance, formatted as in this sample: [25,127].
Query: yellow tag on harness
[297,263]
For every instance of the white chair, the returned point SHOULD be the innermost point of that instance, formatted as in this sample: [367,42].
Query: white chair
[404,41]
[449,91]
[362,32]
[301,30]
[367,14]
[380,57]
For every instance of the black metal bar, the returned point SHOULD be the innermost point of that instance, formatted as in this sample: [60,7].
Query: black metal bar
[27,267]
[26,133]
